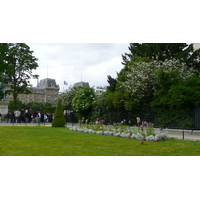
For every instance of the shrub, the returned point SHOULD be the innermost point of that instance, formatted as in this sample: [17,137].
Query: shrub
[59,119]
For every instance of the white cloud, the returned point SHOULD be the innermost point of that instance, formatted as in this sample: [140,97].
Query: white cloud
[70,62]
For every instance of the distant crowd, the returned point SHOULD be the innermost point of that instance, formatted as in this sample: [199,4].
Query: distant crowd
[28,117]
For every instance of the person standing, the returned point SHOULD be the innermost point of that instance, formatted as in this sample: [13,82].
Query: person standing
[39,117]
[12,117]
[0,117]
[26,116]
[17,115]
[7,117]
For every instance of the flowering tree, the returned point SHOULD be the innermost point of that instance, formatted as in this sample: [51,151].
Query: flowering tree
[67,96]
[83,102]
[164,51]
[140,78]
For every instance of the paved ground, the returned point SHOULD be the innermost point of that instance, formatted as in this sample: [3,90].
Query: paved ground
[176,133]
[24,124]
[183,134]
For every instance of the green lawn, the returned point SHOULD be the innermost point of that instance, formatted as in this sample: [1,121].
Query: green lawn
[48,141]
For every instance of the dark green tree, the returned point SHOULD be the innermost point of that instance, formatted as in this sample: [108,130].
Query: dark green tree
[17,63]
[162,51]
[175,98]
[112,83]
[18,106]
[59,119]
[43,107]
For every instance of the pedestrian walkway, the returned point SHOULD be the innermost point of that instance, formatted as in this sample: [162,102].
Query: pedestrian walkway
[183,134]
[24,124]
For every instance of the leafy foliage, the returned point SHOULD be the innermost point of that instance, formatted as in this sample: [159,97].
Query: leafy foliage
[156,83]
[164,51]
[175,98]
[67,96]
[83,102]
[112,83]
[19,105]
[159,83]
[32,106]
[43,107]
[16,67]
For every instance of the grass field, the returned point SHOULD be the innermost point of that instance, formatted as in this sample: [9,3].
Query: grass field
[48,141]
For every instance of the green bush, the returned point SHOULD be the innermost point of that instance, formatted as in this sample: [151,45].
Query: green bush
[59,119]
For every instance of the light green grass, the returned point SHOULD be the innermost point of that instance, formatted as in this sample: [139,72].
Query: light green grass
[48,141]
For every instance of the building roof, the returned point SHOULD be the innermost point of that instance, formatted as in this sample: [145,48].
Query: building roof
[48,82]
[84,84]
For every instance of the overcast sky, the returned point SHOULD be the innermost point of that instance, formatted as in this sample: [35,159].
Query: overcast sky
[70,62]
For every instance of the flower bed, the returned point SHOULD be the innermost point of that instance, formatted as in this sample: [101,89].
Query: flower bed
[145,134]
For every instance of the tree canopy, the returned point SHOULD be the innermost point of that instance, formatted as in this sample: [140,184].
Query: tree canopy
[163,51]
[155,83]
[17,62]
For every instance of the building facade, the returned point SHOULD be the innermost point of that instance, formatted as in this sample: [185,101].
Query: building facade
[46,91]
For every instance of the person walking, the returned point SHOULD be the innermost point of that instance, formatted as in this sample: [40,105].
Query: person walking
[0,117]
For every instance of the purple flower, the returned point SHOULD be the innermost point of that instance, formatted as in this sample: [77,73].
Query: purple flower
[144,123]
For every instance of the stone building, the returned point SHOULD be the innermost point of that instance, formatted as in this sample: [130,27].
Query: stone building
[46,91]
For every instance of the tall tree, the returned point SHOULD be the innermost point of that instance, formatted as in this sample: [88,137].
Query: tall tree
[161,51]
[18,62]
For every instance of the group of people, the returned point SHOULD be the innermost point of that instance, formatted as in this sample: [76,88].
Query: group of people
[28,117]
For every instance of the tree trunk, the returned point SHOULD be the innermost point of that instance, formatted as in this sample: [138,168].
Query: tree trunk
[15,101]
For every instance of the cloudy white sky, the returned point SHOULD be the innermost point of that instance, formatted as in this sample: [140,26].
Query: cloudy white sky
[70,62]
